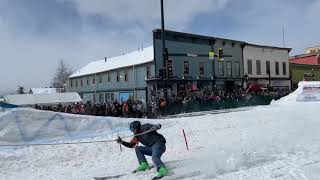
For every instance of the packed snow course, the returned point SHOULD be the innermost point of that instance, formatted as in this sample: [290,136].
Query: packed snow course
[276,142]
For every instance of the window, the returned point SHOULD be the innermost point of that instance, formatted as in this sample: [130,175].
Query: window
[186,68]
[258,67]
[118,76]
[107,97]
[100,79]
[71,83]
[229,69]
[126,75]
[201,68]
[108,77]
[76,83]
[277,68]
[100,98]
[223,43]
[94,98]
[88,81]
[220,68]
[250,66]
[148,71]
[268,67]
[236,68]
[232,44]
[112,97]
[93,80]
[81,83]
[284,68]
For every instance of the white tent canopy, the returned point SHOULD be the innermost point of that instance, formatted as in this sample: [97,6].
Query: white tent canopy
[42,90]
[53,98]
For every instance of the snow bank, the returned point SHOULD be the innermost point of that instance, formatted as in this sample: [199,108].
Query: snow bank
[292,98]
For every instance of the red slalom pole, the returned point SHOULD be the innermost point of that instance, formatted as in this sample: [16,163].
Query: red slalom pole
[185,139]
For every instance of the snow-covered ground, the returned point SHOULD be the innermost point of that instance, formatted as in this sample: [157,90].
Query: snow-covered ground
[276,142]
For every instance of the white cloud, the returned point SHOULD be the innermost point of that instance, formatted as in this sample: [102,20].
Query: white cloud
[178,12]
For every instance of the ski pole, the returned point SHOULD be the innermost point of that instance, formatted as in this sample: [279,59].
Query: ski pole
[185,139]
[119,143]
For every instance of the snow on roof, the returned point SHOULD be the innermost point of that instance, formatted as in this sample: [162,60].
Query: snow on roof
[53,98]
[130,59]
[42,90]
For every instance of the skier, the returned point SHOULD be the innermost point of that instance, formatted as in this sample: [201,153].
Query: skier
[154,145]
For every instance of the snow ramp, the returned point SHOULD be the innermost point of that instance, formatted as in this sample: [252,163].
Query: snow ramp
[23,126]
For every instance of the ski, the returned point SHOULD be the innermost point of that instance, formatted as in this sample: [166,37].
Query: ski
[109,177]
[117,176]
[155,178]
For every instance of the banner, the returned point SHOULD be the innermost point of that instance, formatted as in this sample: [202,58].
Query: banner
[310,92]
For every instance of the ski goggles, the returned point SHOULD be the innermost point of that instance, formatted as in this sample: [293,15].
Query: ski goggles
[132,129]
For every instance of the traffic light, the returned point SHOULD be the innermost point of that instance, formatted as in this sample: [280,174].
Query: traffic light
[169,68]
[220,54]
[166,54]
[162,73]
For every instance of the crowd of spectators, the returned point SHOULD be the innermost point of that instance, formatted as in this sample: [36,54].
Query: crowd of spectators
[193,102]
[133,109]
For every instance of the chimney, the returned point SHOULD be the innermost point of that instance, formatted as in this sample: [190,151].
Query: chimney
[105,59]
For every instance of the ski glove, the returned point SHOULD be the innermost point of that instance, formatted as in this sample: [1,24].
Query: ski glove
[157,126]
[119,140]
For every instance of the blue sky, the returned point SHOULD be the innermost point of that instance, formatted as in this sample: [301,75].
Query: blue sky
[36,34]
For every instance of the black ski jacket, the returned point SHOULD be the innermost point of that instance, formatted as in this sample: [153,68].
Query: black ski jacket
[147,139]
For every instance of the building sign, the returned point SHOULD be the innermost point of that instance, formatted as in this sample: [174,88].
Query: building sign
[211,55]
[124,96]
[192,55]
[310,92]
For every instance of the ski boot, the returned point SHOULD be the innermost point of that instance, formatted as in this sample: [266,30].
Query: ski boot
[163,171]
[142,167]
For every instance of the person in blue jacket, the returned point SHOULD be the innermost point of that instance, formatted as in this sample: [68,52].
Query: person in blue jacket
[154,145]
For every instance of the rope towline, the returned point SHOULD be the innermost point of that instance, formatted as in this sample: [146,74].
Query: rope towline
[69,143]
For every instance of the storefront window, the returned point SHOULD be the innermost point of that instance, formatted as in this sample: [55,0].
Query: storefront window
[186,68]
[201,68]
[229,69]
[237,68]
[220,68]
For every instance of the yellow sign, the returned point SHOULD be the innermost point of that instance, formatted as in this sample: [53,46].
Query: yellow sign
[211,55]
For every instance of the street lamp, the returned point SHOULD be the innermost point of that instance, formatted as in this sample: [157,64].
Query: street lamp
[164,55]
[245,78]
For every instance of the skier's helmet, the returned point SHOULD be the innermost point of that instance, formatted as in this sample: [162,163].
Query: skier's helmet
[135,125]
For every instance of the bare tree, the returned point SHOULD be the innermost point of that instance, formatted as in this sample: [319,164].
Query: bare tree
[62,74]
[20,90]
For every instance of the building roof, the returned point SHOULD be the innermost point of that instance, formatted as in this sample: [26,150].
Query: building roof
[318,46]
[42,90]
[268,47]
[311,59]
[189,35]
[130,59]
[32,99]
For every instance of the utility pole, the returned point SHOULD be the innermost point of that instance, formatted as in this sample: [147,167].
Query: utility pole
[164,61]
